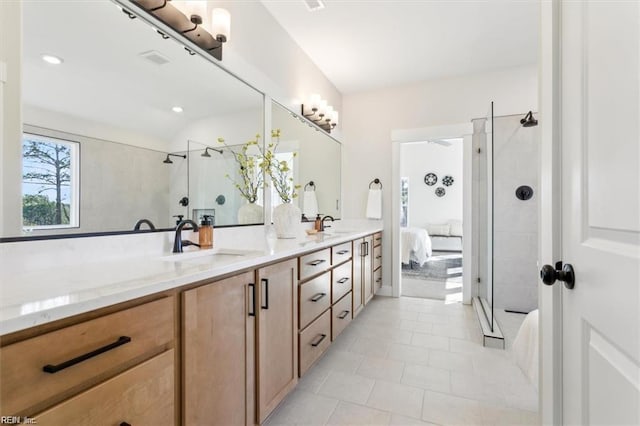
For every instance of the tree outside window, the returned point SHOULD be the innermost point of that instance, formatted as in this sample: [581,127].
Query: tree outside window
[49,182]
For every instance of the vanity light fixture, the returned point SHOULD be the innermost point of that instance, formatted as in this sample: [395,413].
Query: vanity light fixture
[190,20]
[177,109]
[168,159]
[51,59]
[317,111]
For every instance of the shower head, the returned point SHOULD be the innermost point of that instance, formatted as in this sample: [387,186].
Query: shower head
[528,120]
[206,152]
[168,159]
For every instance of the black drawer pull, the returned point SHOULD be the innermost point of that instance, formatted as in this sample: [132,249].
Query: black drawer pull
[317,342]
[378,238]
[379,256]
[317,297]
[341,252]
[125,424]
[343,280]
[343,314]
[55,368]
[316,262]
[378,280]
[252,312]
[265,305]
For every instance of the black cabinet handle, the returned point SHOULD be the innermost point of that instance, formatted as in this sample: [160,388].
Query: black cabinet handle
[362,250]
[343,315]
[366,244]
[341,252]
[378,280]
[317,342]
[343,280]
[266,293]
[316,262]
[317,297]
[125,424]
[379,256]
[252,312]
[55,368]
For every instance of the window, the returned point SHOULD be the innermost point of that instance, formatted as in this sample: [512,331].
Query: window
[50,182]
[404,202]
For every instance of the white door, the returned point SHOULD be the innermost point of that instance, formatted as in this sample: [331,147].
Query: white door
[600,139]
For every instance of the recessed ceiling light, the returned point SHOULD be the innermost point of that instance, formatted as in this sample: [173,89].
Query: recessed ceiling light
[314,5]
[53,60]
[177,109]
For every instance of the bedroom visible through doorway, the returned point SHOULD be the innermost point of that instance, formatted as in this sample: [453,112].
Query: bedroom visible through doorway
[431,219]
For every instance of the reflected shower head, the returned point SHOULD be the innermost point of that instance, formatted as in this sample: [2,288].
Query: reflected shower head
[528,120]
[168,159]
[206,152]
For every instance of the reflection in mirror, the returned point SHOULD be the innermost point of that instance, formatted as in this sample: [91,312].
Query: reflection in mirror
[318,160]
[108,108]
[211,170]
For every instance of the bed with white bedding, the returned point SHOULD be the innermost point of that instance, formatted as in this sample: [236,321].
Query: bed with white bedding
[415,245]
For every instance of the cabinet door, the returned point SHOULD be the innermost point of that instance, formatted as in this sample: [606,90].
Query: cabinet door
[367,270]
[277,312]
[359,251]
[143,395]
[218,352]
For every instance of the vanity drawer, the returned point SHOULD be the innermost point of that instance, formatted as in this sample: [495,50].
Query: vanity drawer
[377,279]
[143,395]
[340,253]
[122,339]
[314,341]
[341,281]
[314,263]
[377,257]
[377,239]
[315,298]
[341,316]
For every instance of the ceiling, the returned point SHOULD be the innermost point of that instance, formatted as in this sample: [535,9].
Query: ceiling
[365,45]
[104,79]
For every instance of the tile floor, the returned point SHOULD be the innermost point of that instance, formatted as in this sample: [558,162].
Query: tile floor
[411,361]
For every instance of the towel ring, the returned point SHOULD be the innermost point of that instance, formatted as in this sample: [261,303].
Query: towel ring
[375,181]
[311,185]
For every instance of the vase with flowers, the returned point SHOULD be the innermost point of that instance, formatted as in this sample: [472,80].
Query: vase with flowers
[248,178]
[286,216]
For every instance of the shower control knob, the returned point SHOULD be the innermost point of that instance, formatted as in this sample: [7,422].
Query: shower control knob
[550,274]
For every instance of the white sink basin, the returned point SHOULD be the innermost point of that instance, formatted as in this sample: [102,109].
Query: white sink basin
[200,256]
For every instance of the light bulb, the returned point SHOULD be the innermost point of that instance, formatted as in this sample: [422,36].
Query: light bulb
[335,117]
[322,107]
[221,24]
[314,100]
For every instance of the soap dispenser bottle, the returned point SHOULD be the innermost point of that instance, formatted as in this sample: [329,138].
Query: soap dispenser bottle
[318,223]
[205,233]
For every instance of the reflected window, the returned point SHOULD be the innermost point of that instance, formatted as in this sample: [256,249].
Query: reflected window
[404,202]
[50,182]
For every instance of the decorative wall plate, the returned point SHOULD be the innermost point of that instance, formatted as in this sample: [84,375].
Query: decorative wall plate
[440,191]
[447,180]
[430,179]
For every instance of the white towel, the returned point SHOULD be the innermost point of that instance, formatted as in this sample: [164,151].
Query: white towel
[374,204]
[309,204]
[525,347]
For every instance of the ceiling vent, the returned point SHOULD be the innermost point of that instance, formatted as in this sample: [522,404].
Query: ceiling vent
[314,5]
[155,57]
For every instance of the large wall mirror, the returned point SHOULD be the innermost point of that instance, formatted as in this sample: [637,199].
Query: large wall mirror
[122,125]
[316,165]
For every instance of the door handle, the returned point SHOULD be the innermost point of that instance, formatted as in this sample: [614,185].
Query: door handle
[317,297]
[343,280]
[550,275]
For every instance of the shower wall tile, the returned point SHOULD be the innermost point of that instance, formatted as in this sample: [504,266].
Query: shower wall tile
[515,278]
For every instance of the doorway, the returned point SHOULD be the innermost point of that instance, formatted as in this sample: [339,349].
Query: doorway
[431,219]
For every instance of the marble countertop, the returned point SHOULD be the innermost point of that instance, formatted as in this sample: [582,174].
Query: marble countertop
[37,296]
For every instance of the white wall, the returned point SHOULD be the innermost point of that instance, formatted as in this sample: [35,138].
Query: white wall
[261,52]
[418,159]
[368,119]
